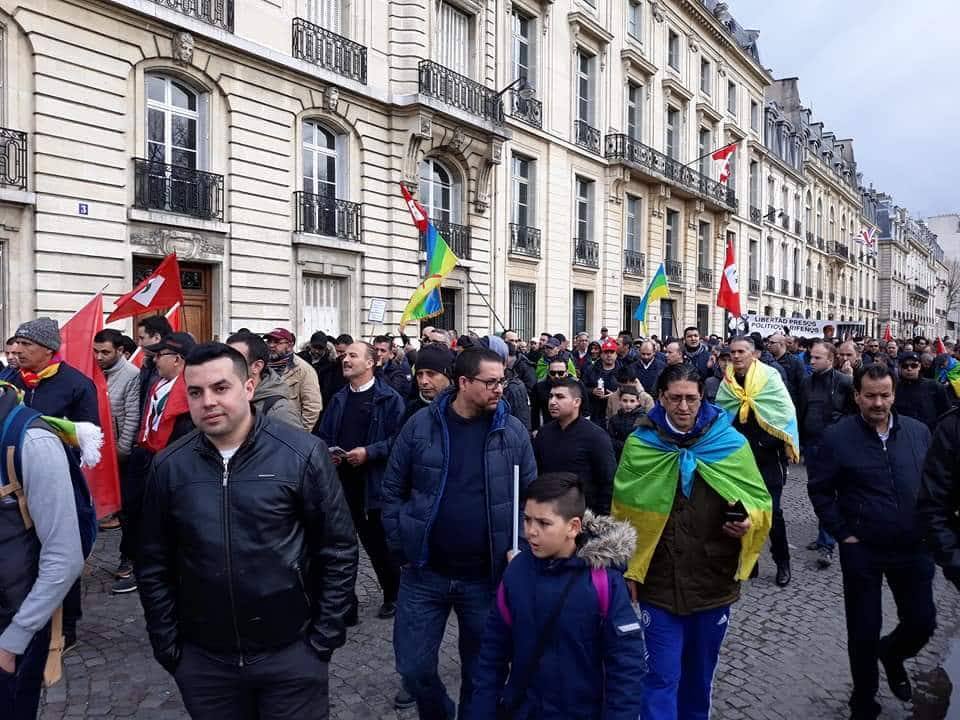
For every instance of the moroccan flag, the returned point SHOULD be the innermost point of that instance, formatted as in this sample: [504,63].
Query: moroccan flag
[175,317]
[887,335]
[157,292]
[425,301]
[722,158]
[729,295]
[657,290]
[938,347]
[645,487]
[76,348]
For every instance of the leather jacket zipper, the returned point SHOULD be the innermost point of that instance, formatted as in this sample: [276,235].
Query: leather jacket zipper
[226,545]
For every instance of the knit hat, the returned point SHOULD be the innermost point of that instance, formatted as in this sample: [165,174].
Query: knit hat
[497,345]
[435,357]
[43,331]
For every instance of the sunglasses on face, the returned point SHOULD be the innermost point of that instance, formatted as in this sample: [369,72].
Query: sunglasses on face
[558,373]
[911,366]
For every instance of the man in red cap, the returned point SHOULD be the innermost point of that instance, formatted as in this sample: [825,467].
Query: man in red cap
[600,379]
[300,378]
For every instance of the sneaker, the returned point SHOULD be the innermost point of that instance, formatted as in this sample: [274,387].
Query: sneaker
[897,677]
[824,558]
[69,642]
[124,569]
[124,585]
[783,575]
[403,700]
[387,610]
[813,546]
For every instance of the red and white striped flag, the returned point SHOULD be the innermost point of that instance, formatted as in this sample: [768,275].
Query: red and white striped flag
[174,317]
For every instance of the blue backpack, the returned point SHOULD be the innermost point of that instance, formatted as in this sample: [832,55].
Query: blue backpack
[15,425]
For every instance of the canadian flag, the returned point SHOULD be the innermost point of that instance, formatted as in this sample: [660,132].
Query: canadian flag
[729,295]
[174,316]
[722,158]
[417,211]
[161,290]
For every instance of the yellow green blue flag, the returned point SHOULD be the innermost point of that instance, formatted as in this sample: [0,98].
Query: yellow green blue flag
[657,290]
[425,301]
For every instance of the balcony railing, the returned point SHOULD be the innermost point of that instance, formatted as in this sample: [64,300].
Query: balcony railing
[820,242]
[796,290]
[586,253]
[528,111]
[328,50]
[586,136]
[819,294]
[458,238]
[796,227]
[810,239]
[634,153]
[524,240]
[213,12]
[328,216]
[833,298]
[784,287]
[13,158]
[771,283]
[840,250]
[754,286]
[461,92]
[704,278]
[674,270]
[785,221]
[808,291]
[755,215]
[874,304]
[920,292]
[843,299]
[771,215]
[176,189]
[634,263]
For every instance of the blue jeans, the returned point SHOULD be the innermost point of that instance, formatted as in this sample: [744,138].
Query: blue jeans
[824,539]
[20,691]
[423,607]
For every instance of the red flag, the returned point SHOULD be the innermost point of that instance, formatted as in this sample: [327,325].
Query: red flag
[722,157]
[417,211]
[938,347]
[174,316]
[729,295]
[76,348]
[887,335]
[160,290]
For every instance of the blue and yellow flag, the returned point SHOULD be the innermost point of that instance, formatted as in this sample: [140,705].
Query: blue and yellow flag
[425,302]
[657,290]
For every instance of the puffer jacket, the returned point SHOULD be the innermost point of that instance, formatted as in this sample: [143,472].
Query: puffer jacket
[600,659]
[246,556]
[862,487]
[418,471]
[517,397]
[939,498]
[123,389]
[272,394]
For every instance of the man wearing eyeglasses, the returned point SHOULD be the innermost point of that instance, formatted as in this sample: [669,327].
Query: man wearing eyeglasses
[448,513]
[919,398]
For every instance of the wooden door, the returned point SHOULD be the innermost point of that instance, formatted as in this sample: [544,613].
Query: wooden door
[197,282]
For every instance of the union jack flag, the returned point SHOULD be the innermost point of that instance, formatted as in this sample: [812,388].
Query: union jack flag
[868,238]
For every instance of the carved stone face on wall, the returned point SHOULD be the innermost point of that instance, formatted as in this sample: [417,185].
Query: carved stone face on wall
[183,48]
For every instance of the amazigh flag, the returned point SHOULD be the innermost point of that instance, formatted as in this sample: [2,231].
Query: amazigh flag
[646,485]
[657,290]
[159,291]
[722,158]
[425,301]
[950,375]
[764,394]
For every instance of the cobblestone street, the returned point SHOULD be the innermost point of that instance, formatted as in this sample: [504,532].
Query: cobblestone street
[785,655]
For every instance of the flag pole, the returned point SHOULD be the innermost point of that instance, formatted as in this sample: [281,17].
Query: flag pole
[722,147]
[485,301]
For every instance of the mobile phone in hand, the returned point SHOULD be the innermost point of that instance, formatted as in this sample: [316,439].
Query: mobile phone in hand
[735,513]
[337,451]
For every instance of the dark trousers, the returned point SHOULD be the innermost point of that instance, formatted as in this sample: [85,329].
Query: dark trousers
[810,451]
[426,599]
[910,577]
[775,475]
[72,608]
[133,482]
[287,683]
[373,538]
[20,691]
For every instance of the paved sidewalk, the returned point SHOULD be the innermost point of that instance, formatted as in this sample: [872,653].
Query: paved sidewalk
[784,657]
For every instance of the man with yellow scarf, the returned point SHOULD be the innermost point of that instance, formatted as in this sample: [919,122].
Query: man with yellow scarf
[754,396]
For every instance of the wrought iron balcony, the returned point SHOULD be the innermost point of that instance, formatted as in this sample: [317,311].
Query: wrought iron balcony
[321,215]
[459,91]
[810,239]
[13,158]
[755,215]
[874,304]
[213,12]
[655,164]
[861,304]
[833,298]
[796,290]
[528,111]
[704,278]
[843,299]
[586,136]
[809,291]
[754,286]
[176,189]
[634,263]
[785,221]
[674,270]
[840,250]
[771,215]
[771,283]
[920,292]
[819,294]
[524,240]
[784,287]
[586,253]
[796,227]
[820,242]
[458,238]
[328,50]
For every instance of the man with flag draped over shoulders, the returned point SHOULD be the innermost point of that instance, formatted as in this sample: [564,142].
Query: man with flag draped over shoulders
[689,485]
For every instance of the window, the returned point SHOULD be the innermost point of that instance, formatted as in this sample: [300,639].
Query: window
[673,132]
[703,318]
[321,149]
[585,104]
[453,39]
[324,304]
[784,262]
[632,238]
[704,261]
[447,320]
[581,304]
[439,191]
[754,115]
[703,152]
[634,111]
[732,179]
[523,47]
[630,322]
[754,260]
[523,308]
[831,236]
[785,200]
[808,214]
[670,250]
[523,207]
[771,261]
[584,202]
[705,76]
[673,50]
[327,14]
[175,113]
[634,27]
[754,184]
[732,98]
[667,325]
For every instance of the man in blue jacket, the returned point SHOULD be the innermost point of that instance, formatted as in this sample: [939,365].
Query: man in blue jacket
[359,427]
[448,513]
[864,484]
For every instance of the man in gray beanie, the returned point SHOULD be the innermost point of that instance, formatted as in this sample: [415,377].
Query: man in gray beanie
[432,373]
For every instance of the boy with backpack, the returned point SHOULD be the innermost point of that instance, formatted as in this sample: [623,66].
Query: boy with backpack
[620,426]
[562,621]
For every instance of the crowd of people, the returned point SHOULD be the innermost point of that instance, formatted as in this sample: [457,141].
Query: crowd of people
[587,512]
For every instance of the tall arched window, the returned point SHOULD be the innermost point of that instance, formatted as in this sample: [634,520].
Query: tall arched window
[322,205]
[820,276]
[831,236]
[321,161]
[808,213]
[819,218]
[440,191]
[175,118]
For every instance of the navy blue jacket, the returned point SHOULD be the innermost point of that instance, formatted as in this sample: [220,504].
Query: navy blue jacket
[417,474]
[68,394]
[859,487]
[398,375]
[591,666]
[388,409]
[699,358]
[648,377]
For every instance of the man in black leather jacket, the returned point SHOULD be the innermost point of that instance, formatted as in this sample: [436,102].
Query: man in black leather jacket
[249,555]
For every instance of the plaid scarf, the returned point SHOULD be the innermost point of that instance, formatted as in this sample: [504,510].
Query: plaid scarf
[283,363]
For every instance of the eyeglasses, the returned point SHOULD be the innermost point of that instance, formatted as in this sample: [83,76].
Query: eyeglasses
[491,384]
[167,354]
[558,373]
[689,400]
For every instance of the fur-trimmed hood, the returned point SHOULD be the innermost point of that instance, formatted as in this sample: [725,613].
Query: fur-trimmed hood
[606,542]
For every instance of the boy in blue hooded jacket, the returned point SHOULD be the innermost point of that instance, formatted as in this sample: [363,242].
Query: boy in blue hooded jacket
[562,622]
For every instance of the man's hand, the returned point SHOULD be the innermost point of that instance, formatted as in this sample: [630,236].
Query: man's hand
[632,589]
[737,529]
[357,456]
[597,392]
[8,661]
[847,368]
[851,540]
[511,554]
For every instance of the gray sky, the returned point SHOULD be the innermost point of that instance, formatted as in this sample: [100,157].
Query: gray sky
[883,72]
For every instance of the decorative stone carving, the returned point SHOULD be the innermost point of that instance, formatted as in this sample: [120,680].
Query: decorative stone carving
[481,199]
[657,8]
[619,178]
[496,152]
[423,130]
[425,123]
[331,96]
[693,42]
[660,201]
[182,48]
[694,210]
[185,243]
[459,141]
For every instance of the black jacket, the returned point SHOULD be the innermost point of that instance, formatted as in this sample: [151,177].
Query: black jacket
[924,400]
[592,374]
[517,397]
[939,498]
[648,376]
[583,449]
[860,487]
[526,372]
[621,426]
[824,398]
[793,372]
[247,558]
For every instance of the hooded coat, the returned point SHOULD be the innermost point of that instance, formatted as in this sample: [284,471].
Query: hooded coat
[599,656]
[271,394]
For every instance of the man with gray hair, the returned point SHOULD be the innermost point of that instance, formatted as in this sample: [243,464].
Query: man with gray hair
[791,364]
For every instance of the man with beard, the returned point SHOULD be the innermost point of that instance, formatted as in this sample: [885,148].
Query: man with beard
[626,352]
[540,397]
[695,352]
[600,379]
[551,351]
[299,377]
[792,365]
[322,356]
